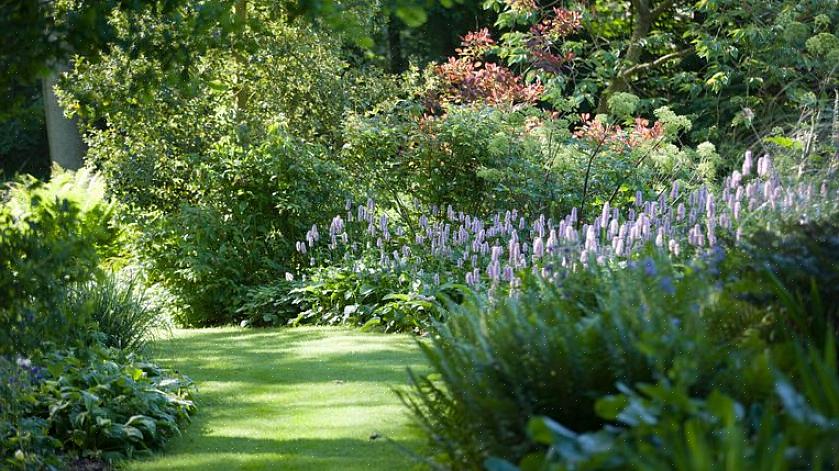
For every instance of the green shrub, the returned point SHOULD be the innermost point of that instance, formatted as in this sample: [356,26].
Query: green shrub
[51,236]
[391,301]
[93,403]
[786,267]
[224,168]
[477,158]
[254,200]
[661,426]
[555,350]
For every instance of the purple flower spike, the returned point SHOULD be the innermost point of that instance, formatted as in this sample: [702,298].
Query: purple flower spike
[591,239]
[747,164]
[538,248]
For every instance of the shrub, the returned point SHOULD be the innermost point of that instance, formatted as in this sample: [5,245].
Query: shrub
[254,200]
[51,236]
[478,158]
[661,426]
[555,351]
[787,267]
[221,167]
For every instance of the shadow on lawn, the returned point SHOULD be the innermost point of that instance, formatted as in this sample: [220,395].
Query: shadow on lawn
[300,454]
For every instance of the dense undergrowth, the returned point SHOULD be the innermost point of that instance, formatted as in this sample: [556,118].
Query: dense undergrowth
[74,387]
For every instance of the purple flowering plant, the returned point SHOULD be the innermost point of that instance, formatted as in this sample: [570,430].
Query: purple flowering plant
[443,247]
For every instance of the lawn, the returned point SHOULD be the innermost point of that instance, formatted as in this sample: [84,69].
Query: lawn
[301,399]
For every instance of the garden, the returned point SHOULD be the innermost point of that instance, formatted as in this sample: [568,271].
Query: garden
[502,235]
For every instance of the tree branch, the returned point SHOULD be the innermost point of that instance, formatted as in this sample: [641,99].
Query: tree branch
[661,60]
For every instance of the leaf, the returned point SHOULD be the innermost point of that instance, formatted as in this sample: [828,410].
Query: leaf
[371,324]
[497,464]
[546,431]
[411,15]
[609,407]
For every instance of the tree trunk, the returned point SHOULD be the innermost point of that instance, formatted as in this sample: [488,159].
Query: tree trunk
[65,141]
[643,18]
[394,40]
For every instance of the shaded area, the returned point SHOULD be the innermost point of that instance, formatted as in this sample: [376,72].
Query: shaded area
[305,398]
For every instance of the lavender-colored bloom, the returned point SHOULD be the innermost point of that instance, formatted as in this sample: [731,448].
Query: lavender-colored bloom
[618,244]
[494,270]
[552,241]
[538,248]
[591,239]
[515,252]
[497,251]
[747,163]
[570,234]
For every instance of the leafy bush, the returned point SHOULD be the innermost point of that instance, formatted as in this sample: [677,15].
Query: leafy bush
[482,158]
[51,236]
[210,250]
[220,170]
[370,298]
[87,403]
[555,351]
[478,158]
[787,267]
[661,426]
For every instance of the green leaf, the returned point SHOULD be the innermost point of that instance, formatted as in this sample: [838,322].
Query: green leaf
[497,464]
[609,407]
[411,15]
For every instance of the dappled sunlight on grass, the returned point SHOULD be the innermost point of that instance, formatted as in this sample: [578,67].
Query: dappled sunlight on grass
[306,398]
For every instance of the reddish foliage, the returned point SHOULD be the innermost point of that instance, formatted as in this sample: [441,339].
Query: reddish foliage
[466,79]
[607,134]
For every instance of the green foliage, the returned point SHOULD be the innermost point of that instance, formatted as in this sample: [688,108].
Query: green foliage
[209,252]
[91,403]
[222,172]
[51,236]
[554,351]
[391,300]
[372,298]
[477,158]
[787,268]
[661,426]
[122,314]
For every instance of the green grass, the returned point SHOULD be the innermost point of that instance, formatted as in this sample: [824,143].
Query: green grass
[297,399]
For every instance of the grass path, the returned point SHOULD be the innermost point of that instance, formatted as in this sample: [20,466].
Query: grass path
[296,399]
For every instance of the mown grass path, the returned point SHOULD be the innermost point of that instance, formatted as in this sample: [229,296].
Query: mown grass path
[295,399]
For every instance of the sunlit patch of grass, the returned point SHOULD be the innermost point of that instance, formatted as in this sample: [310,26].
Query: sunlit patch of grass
[302,399]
